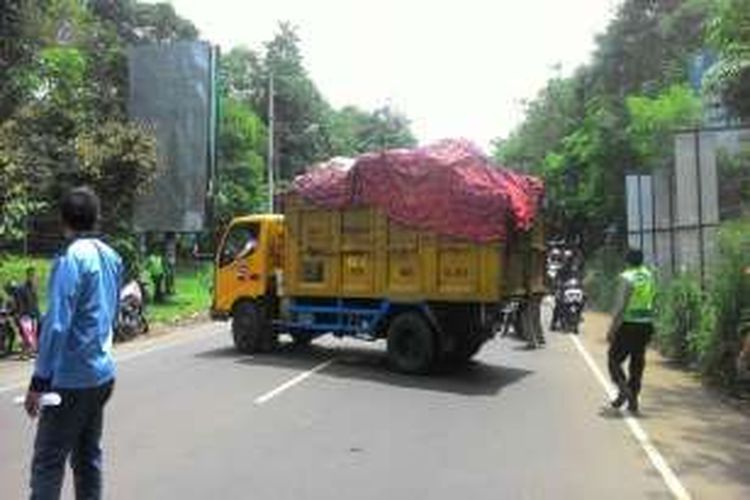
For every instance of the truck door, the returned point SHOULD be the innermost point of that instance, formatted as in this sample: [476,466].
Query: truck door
[240,265]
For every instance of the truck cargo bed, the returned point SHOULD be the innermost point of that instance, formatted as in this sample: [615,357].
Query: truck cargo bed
[359,252]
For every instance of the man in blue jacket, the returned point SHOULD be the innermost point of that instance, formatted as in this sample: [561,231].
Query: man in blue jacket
[75,355]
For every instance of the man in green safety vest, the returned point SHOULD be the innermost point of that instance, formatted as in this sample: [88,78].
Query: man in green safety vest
[631,329]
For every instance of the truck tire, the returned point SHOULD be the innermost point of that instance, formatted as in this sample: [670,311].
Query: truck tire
[411,343]
[250,329]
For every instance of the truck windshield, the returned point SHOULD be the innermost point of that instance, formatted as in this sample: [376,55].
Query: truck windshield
[242,241]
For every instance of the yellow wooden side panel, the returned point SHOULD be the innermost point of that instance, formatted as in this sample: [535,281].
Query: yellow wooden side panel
[404,273]
[313,255]
[525,262]
[458,268]
[357,252]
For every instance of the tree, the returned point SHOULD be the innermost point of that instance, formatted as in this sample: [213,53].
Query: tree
[729,33]
[18,44]
[300,132]
[140,22]
[354,131]
[584,132]
[119,161]
[654,120]
[68,124]
[241,142]
[237,74]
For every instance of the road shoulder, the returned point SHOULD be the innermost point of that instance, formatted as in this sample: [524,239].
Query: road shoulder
[705,439]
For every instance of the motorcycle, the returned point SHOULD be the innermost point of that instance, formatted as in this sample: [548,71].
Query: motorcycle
[573,301]
[553,266]
[508,321]
[131,318]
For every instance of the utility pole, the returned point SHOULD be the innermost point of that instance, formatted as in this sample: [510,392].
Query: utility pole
[271,122]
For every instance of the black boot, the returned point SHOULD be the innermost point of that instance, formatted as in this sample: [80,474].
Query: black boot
[620,400]
[633,405]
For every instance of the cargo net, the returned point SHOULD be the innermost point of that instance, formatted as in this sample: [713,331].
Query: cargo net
[449,187]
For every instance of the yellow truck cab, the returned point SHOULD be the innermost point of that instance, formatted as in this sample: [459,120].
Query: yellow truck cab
[354,272]
[247,266]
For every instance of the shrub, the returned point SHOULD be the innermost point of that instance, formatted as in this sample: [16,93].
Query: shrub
[706,327]
[716,349]
[603,268]
[680,316]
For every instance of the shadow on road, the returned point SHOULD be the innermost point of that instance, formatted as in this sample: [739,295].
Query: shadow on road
[367,363]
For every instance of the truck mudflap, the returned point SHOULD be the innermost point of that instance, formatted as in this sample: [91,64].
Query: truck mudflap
[462,329]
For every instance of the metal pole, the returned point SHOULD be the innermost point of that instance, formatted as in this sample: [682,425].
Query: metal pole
[213,128]
[641,230]
[271,122]
[699,193]
[672,187]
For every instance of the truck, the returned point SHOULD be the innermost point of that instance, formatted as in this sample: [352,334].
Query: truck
[355,270]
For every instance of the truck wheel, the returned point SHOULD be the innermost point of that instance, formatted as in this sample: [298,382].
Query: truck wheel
[411,343]
[250,329]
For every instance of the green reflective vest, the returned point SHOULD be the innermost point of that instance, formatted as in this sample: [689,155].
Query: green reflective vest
[640,307]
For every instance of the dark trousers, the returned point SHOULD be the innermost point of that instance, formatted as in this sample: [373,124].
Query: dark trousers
[72,429]
[630,342]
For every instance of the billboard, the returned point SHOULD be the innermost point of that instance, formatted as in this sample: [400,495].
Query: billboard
[172,91]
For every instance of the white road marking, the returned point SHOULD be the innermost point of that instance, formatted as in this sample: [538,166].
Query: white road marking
[657,460]
[290,383]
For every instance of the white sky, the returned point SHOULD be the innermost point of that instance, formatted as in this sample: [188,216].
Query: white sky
[456,68]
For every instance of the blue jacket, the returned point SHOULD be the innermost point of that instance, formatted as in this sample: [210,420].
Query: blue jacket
[75,349]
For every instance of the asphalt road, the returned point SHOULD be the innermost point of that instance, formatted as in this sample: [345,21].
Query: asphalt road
[193,419]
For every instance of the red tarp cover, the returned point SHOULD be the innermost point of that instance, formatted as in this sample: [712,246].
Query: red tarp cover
[450,188]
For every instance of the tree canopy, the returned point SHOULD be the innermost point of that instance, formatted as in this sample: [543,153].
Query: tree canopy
[63,117]
[615,115]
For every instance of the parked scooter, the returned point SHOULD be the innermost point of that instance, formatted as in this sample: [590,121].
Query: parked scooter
[131,317]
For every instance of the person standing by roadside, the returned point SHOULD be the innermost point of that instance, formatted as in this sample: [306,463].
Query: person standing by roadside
[75,355]
[631,329]
[28,312]
[156,272]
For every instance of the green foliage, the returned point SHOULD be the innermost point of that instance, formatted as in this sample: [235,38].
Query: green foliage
[241,143]
[119,161]
[654,120]
[685,315]
[300,110]
[354,131]
[18,198]
[13,269]
[601,281]
[65,122]
[729,289]
[582,133]
[555,113]
[704,326]
[126,245]
[192,297]
[307,129]
[729,33]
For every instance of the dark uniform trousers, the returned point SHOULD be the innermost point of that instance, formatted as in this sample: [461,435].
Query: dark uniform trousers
[630,341]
